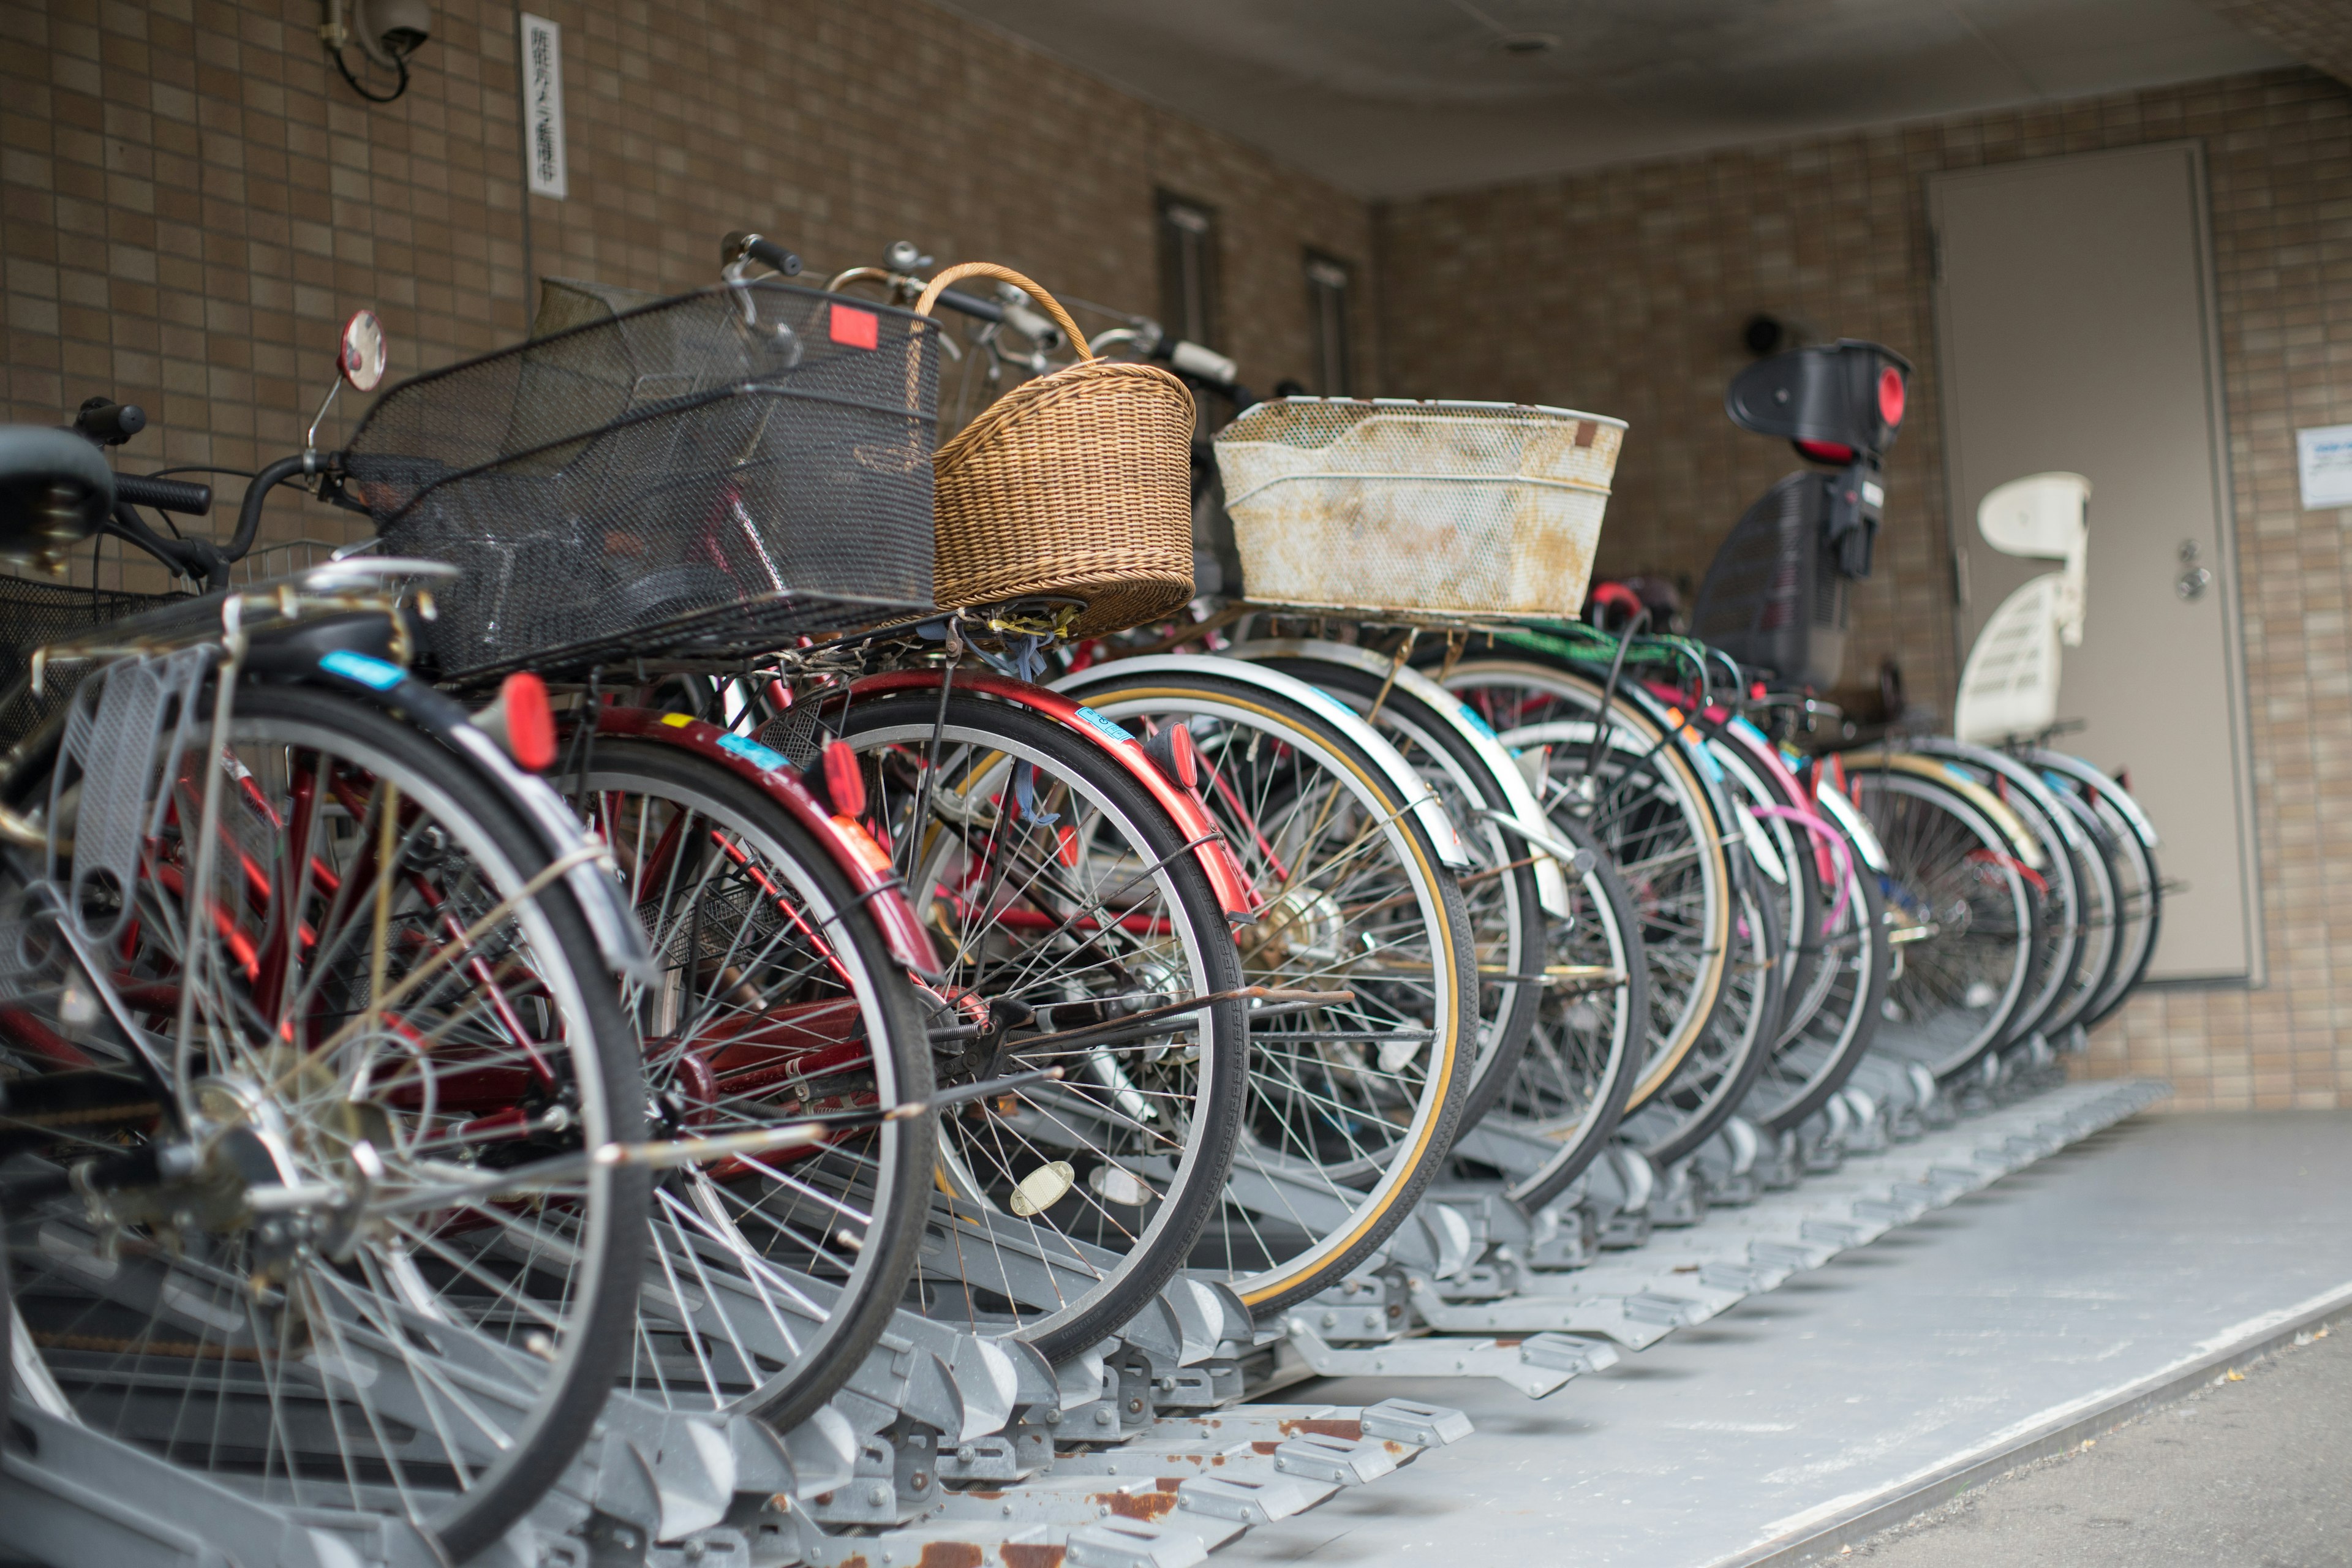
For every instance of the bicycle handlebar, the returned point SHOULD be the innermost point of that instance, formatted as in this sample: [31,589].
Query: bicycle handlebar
[760,248]
[971,305]
[108,422]
[249,516]
[164,495]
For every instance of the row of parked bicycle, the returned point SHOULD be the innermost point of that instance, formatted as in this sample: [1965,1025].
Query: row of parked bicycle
[730,874]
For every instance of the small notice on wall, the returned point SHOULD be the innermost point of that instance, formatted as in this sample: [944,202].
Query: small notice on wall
[2324,457]
[542,106]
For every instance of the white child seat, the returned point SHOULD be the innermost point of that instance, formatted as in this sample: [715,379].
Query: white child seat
[2009,684]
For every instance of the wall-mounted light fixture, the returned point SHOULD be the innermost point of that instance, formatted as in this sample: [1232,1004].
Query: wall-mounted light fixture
[386,31]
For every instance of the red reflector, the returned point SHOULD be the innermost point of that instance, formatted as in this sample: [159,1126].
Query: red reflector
[530,721]
[1890,396]
[1755,691]
[1066,849]
[862,845]
[1187,759]
[844,781]
[1173,750]
[856,327]
[1826,451]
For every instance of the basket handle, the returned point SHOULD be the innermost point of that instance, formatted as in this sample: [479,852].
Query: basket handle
[1052,306]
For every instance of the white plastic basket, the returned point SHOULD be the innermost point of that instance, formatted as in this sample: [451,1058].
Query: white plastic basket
[1442,509]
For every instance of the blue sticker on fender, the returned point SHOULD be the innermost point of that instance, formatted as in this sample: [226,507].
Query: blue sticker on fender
[1102,726]
[372,673]
[760,757]
[1479,721]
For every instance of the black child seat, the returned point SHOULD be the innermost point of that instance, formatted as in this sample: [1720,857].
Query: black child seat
[1777,595]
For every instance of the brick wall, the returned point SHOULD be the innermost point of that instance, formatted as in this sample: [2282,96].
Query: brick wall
[2318,32]
[192,199]
[1623,290]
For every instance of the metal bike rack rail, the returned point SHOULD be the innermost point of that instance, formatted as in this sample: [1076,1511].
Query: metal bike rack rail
[956,1444]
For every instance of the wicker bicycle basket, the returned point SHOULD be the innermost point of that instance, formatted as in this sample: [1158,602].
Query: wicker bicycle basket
[1075,486]
[699,478]
[1412,508]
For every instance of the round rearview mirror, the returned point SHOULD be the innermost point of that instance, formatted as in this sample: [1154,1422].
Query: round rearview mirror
[361,359]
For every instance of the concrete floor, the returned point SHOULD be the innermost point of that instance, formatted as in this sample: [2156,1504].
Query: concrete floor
[2251,1471]
[2138,1252]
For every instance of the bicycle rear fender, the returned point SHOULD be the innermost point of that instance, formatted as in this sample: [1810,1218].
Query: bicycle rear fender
[1236,895]
[1410,787]
[852,849]
[1551,883]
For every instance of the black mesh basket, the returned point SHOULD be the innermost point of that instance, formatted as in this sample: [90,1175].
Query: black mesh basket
[704,477]
[35,614]
[1774,596]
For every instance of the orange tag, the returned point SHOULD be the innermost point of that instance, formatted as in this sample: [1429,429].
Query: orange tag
[855,328]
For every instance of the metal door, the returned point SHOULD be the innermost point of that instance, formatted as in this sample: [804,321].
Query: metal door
[2076,330]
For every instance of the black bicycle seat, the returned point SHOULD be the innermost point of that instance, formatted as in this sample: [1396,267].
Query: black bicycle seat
[55,491]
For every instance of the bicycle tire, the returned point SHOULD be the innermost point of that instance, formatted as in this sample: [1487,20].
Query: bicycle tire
[1380,1178]
[1535,703]
[1119,817]
[823,949]
[1509,927]
[1553,1075]
[1935,840]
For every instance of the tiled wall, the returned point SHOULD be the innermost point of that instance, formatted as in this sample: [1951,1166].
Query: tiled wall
[1623,290]
[2316,32]
[194,200]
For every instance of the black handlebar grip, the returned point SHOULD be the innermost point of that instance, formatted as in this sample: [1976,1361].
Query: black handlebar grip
[108,422]
[762,249]
[164,495]
[971,304]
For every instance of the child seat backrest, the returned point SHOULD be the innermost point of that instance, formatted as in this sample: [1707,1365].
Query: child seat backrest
[1778,593]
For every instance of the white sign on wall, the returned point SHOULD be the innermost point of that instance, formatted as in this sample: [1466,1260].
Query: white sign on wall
[542,106]
[2324,455]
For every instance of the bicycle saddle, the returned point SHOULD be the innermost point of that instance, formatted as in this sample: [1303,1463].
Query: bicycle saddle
[55,491]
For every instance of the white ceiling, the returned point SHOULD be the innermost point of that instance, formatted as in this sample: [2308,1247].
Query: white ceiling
[1389,97]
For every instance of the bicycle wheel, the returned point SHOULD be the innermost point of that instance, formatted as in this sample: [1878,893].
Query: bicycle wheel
[770,1277]
[1353,1105]
[347,1254]
[1962,917]
[1715,1075]
[1839,963]
[1063,900]
[1784,862]
[2099,873]
[2058,884]
[1664,829]
[2140,888]
[1839,1019]
[1570,1084]
[1508,922]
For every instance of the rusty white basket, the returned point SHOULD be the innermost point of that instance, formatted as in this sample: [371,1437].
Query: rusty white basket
[1440,508]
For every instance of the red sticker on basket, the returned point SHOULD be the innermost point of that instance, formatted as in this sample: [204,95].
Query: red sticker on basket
[858,329]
